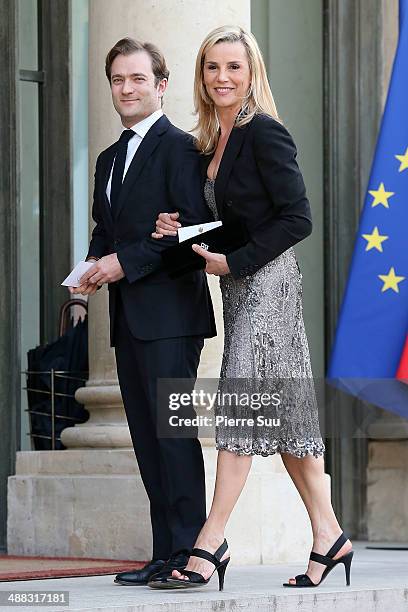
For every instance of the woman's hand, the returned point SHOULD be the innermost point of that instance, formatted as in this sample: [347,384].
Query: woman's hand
[216,263]
[166,225]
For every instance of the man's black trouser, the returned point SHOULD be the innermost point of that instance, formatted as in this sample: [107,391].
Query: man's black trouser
[172,469]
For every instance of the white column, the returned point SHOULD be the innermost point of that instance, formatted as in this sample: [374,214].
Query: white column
[177,28]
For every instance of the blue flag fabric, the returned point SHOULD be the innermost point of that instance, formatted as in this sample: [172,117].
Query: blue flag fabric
[373,322]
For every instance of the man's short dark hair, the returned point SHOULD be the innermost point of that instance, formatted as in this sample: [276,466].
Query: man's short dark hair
[127,46]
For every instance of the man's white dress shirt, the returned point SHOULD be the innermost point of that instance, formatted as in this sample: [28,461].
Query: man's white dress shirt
[140,130]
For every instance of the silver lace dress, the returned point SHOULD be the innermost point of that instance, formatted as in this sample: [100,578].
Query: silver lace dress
[265,351]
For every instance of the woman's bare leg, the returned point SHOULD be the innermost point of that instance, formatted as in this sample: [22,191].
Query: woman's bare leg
[232,472]
[309,478]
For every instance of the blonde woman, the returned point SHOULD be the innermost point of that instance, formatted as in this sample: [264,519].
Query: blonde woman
[251,178]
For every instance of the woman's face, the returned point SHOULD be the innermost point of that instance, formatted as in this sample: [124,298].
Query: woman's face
[226,74]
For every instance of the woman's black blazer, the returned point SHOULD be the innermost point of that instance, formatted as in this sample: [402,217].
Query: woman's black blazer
[259,185]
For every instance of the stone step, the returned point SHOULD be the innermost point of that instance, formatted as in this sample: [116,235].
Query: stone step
[379,581]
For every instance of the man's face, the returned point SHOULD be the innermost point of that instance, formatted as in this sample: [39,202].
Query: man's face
[134,92]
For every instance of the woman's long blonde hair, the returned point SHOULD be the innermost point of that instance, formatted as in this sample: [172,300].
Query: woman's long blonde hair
[259,98]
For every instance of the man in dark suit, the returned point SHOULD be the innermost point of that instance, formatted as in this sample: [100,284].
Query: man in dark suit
[157,325]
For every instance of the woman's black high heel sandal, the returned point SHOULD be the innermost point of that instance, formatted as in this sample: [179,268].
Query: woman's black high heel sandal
[196,579]
[303,580]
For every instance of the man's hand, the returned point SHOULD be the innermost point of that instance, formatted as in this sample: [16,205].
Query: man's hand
[166,225]
[84,289]
[106,270]
[216,263]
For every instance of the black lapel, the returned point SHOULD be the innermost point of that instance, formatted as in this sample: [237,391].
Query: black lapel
[233,147]
[144,151]
[205,162]
[110,155]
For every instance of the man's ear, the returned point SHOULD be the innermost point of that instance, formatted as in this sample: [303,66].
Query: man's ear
[162,87]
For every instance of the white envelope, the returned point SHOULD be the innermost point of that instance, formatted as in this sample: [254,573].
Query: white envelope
[184,233]
[72,279]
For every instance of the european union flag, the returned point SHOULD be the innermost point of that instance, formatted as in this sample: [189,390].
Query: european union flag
[370,353]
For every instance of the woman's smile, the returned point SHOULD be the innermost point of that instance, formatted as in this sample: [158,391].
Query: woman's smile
[222,91]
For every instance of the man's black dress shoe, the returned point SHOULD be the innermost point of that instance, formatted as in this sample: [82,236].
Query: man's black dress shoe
[178,561]
[141,576]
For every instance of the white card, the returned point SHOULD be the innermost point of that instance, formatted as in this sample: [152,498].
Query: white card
[184,233]
[72,279]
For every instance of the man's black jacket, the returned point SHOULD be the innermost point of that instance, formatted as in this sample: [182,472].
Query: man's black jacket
[163,176]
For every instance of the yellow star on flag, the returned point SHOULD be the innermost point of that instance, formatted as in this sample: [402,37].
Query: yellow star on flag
[374,240]
[390,280]
[404,160]
[381,196]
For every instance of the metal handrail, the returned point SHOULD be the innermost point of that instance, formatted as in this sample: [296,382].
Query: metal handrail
[65,374]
